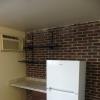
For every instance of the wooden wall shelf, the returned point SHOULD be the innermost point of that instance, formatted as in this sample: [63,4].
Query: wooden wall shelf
[32,62]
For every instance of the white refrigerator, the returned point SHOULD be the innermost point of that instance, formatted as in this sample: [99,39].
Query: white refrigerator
[65,80]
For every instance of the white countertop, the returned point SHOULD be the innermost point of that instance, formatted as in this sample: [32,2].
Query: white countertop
[34,84]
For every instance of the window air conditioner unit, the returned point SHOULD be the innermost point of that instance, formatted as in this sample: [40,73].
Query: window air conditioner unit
[10,43]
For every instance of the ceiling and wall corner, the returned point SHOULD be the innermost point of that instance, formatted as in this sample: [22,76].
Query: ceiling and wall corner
[28,14]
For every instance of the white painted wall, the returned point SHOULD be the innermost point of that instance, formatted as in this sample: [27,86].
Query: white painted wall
[11,69]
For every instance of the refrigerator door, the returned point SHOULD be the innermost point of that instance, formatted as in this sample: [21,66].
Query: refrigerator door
[57,95]
[63,75]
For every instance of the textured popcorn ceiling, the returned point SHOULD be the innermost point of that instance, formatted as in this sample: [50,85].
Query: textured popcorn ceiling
[27,14]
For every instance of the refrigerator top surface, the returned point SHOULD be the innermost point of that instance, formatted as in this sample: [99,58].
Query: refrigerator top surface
[65,61]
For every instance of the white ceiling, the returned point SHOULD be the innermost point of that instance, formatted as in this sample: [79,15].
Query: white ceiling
[29,14]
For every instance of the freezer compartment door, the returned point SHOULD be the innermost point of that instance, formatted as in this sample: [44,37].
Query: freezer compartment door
[58,95]
[63,75]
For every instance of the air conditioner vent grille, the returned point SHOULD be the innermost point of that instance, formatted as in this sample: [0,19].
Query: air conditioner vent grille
[10,37]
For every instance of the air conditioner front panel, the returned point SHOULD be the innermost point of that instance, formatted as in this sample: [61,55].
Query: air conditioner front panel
[10,45]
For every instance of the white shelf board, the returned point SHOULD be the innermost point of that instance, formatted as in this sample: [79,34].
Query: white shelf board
[29,84]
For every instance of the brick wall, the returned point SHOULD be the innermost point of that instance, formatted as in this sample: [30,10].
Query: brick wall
[76,42]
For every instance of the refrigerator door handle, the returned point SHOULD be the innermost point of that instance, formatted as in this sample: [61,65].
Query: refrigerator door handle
[50,88]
